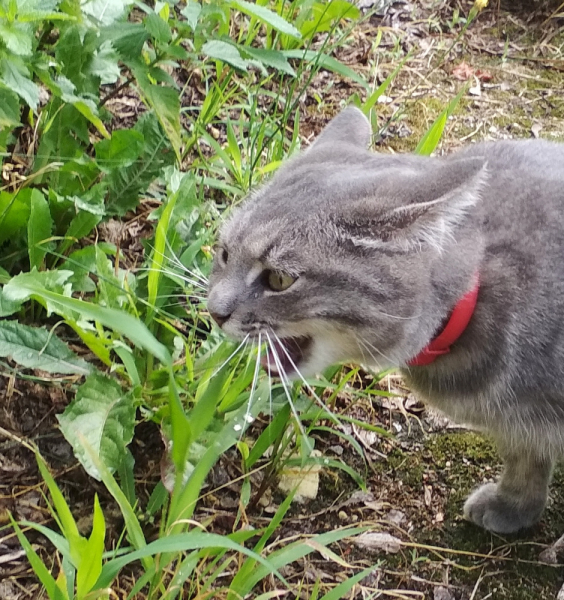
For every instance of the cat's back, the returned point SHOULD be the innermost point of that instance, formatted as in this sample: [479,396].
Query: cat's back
[522,160]
[523,199]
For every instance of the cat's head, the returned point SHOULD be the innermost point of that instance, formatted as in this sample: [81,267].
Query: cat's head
[339,257]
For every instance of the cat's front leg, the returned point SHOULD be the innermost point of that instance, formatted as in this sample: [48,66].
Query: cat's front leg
[517,500]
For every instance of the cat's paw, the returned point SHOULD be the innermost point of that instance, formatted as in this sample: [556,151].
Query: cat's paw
[490,509]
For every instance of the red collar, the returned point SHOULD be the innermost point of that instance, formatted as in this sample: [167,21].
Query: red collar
[453,329]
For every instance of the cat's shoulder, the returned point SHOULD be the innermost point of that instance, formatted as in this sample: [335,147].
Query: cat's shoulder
[533,156]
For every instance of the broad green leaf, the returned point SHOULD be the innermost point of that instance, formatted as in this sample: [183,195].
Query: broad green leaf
[104,12]
[8,307]
[82,263]
[225,52]
[95,341]
[9,109]
[20,288]
[117,320]
[16,77]
[105,64]
[134,531]
[88,109]
[85,106]
[158,28]
[17,36]
[104,415]
[91,201]
[112,293]
[121,150]
[39,229]
[81,225]
[127,39]
[270,58]
[14,213]
[191,13]
[267,16]
[166,104]
[327,14]
[125,185]
[38,348]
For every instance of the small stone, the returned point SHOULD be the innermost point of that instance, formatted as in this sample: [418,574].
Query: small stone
[442,593]
[343,515]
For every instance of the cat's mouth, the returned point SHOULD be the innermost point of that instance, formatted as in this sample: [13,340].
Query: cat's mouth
[284,355]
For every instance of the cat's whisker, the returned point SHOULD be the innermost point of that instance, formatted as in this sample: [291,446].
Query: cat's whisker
[175,260]
[398,317]
[179,264]
[180,295]
[248,419]
[269,387]
[242,345]
[322,404]
[361,345]
[369,344]
[284,380]
[180,276]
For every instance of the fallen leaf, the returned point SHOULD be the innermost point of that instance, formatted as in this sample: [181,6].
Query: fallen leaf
[463,71]
[395,516]
[378,540]
[305,480]
[483,75]
[427,493]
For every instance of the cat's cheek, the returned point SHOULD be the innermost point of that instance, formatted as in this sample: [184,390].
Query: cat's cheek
[325,352]
[233,330]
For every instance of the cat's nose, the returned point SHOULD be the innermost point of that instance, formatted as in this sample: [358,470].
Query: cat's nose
[219,318]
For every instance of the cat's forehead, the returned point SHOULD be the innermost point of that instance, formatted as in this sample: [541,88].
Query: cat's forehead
[260,234]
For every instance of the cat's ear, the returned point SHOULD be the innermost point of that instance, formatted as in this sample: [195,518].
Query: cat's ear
[439,201]
[348,127]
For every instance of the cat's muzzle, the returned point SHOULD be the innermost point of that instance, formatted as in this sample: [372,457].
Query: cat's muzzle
[285,355]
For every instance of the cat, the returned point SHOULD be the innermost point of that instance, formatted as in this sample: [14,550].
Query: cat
[350,256]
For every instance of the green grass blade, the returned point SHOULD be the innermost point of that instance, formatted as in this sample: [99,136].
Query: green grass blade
[381,89]
[159,256]
[117,320]
[292,553]
[430,140]
[176,544]
[68,524]
[326,62]
[91,565]
[342,590]
[43,574]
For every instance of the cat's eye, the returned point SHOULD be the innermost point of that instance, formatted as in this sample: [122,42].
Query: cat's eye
[278,281]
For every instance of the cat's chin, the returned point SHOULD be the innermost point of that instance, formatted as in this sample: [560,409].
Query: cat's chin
[284,356]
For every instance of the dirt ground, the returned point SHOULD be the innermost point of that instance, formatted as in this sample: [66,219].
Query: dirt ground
[513,63]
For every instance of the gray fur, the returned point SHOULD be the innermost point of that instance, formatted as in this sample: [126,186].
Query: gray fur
[383,247]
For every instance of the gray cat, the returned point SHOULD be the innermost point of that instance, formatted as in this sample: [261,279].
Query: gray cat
[346,255]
